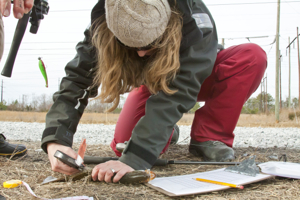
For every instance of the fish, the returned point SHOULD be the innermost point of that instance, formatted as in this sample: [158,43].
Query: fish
[134,177]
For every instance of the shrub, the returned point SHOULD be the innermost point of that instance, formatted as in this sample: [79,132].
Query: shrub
[117,111]
[3,105]
[246,110]
[292,115]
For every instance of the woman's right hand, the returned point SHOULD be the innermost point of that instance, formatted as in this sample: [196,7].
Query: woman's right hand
[57,165]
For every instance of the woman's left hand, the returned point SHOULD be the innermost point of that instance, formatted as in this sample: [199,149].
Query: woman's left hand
[21,7]
[105,171]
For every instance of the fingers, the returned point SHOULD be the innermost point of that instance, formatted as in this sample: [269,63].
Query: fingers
[57,165]
[119,175]
[99,173]
[60,167]
[108,176]
[19,8]
[5,7]
[27,5]
[111,169]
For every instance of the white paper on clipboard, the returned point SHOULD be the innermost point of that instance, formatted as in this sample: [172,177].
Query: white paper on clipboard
[283,169]
[186,185]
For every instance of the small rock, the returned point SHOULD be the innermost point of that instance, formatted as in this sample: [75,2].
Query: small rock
[273,157]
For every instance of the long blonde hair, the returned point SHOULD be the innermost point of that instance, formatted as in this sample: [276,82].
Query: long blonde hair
[120,70]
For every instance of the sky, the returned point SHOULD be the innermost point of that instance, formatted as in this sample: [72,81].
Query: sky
[63,27]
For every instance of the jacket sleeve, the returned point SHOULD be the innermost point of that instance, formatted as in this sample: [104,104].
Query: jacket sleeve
[72,98]
[75,89]
[197,56]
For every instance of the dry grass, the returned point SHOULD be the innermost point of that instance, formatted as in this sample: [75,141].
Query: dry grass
[245,120]
[14,116]
[268,120]
[35,167]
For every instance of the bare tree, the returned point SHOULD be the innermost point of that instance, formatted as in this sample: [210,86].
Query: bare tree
[44,103]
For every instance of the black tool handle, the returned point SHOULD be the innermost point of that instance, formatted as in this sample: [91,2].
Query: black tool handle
[97,160]
[18,36]
[161,162]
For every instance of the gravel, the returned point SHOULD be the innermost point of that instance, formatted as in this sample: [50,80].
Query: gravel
[103,134]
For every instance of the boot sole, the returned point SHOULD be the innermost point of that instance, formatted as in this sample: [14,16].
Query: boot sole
[19,153]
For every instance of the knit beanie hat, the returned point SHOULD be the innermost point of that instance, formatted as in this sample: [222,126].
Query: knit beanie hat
[137,23]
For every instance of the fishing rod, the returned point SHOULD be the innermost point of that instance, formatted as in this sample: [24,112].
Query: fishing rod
[39,9]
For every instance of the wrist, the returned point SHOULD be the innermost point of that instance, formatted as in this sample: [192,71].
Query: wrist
[50,145]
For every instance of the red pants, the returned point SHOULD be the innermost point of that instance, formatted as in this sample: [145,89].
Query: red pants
[237,73]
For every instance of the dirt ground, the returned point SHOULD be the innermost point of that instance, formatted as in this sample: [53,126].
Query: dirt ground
[35,167]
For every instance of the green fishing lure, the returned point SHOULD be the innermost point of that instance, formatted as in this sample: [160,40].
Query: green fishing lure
[43,70]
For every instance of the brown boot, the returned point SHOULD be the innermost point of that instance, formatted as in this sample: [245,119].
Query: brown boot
[212,151]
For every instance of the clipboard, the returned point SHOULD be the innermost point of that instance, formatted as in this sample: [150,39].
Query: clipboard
[186,185]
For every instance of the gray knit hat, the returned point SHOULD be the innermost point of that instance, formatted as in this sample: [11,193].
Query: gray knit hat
[137,23]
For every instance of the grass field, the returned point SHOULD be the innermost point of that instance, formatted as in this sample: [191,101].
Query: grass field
[245,120]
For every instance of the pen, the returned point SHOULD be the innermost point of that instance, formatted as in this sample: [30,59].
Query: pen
[219,183]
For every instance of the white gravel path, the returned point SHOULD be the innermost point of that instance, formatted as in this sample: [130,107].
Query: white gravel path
[103,134]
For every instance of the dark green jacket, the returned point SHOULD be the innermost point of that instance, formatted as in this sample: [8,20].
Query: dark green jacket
[197,56]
